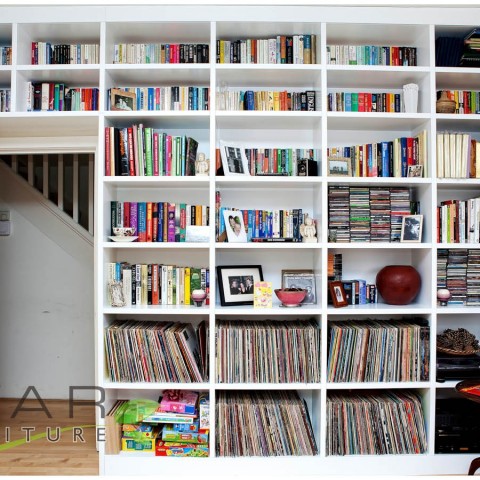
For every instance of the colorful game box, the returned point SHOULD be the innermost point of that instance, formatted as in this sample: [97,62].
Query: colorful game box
[179,401]
[204,410]
[170,435]
[185,427]
[172,449]
[131,445]
[140,431]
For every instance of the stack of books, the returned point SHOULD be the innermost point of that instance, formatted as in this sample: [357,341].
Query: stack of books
[471,49]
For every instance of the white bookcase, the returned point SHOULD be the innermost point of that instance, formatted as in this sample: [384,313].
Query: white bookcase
[23,131]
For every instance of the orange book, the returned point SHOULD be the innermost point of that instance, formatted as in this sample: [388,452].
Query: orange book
[149,222]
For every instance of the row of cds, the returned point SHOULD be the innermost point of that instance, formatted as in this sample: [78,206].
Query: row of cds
[375,423]
[265,424]
[291,347]
[367,214]
[379,351]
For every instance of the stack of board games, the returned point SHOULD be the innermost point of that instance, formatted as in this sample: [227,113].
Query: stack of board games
[139,437]
[185,418]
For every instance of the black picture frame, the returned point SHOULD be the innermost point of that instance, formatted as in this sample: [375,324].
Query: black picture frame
[246,274]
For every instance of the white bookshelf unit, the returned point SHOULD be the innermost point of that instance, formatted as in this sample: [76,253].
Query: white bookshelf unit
[22,131]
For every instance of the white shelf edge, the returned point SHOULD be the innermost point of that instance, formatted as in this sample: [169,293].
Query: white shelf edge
[155,245]
[157,309]
[380,309]
[269,245]
[157,66]
[389,115]
[380,245]
[375,68]
[110,385]
[376,385]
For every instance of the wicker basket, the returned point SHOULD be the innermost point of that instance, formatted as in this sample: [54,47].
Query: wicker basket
[445,105]
[459,353]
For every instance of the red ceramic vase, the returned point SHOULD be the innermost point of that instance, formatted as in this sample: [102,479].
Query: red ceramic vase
[398,284]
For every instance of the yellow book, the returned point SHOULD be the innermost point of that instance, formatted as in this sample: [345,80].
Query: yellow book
[276,101]
[186,290]
[144,284]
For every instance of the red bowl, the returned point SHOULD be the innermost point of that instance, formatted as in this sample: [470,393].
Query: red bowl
[290,298]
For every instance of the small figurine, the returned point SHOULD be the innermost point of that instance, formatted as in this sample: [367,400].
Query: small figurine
[308,230]
[201,165]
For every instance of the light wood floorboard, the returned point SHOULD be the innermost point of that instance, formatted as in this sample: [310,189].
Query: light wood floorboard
[41,457]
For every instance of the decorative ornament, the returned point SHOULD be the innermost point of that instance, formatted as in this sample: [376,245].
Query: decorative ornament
[201,166]
[443,296]
[398,284]
[198,296]
[308,230]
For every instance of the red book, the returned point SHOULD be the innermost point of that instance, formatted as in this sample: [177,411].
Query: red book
[155,222]
[149,222]
[131,155]
[361,102]
[126,214]
[51,96]
[368,102]
[410,159]
[155,285]
[107,152]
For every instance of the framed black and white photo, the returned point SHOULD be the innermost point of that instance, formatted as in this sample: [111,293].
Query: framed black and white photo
[236,283]
[123,101]
[304,279]
[234,160]
[412,228]
[339,167]
[415,171]
[234,226]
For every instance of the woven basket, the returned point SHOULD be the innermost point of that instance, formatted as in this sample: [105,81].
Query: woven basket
[445,105]
[463,353]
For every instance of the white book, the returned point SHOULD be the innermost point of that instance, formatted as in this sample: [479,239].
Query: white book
[300,49]
[440,156]
[45,96]
[164,288]
[272,50]
[127,285]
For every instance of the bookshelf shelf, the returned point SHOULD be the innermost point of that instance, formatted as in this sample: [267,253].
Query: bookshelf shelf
[33,132]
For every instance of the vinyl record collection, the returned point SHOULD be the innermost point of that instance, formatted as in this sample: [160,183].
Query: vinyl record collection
[292,347]
[375,423]
[379,351]
[139,351]
[265,424]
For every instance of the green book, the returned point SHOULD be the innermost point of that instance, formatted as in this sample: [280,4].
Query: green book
[148,152]
[354,102]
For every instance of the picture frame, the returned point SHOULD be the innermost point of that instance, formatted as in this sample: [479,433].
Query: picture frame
[412,226]
[234,226]
[234,160]
[115,291]
[415,171]
[301,279]
[232,279]
[122,101]
[337,293]
[339,167]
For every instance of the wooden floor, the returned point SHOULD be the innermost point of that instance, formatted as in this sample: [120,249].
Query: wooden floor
[41,457]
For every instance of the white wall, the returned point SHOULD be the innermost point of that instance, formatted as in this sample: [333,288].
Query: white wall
[46,311]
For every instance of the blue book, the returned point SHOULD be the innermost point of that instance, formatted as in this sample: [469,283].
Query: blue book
[160,221]
[142,221]
[151,98]
[249,100]
[251,224]
[348,101]
[403,156]
[385,159]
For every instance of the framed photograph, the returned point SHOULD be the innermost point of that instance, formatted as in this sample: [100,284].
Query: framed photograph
[301,279]
[123,101]
[338,294]
[236,283]
[412,228]
[234,160]
[234,226]
[339,167]
[415,171]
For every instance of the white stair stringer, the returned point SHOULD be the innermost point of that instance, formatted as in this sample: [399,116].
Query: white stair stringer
[45,215]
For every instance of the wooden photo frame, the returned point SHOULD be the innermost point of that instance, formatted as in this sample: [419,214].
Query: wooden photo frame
[234,160]
[122,101]
[415,171]
[339,167]
[412,226]
[338,294]
[236,283]
[301,279]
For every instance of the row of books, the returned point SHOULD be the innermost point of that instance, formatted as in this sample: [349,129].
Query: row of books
[358,292]
[46,53]
[154,284]
[371,55]
[459,271]
[143,53]
[368,214]
[378,351]
[159,98]
[267,224]
[377,423]
[146,151]
[471,49]
[49,96]
[268,101]
[5,99]
[263,424]
[5,55]
[466,101]
[158,221]
[385,102]
[292,347]
[334,266]
[281,49]
[457,221]
[275,161]
[144,351]
[385,159]
[458,155]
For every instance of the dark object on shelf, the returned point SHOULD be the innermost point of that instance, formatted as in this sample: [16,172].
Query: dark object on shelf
[398,284]
[444,104]
[457,429]
[306,168]
[448,51]
[454,367]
